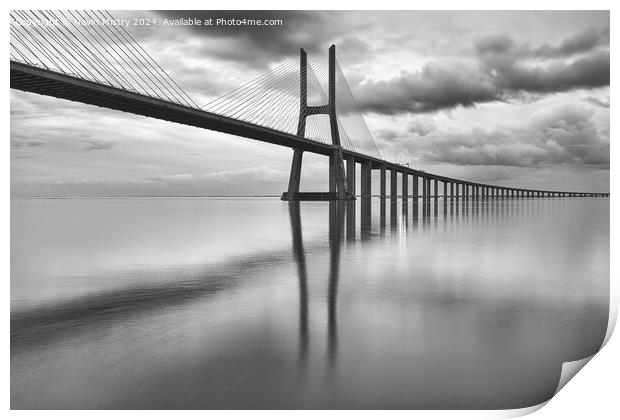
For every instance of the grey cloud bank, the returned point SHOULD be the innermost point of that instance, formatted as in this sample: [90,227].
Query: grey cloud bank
[504,70]
[563,135]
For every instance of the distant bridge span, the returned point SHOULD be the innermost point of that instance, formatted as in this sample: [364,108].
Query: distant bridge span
[306,106]
[33,79]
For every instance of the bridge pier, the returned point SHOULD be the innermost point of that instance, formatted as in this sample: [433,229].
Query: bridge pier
[294,177]
[393,184]
[415,187]
[428,190]
[366,179]
[351,175]
[333,185]
[338,183]
[382,175]
[405,187]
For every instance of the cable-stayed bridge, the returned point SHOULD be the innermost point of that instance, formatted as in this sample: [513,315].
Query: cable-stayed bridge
[84,56]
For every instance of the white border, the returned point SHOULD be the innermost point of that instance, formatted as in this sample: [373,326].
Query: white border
[593,394]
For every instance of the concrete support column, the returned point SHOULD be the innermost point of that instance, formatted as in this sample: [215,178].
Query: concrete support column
[424,189]
[415,187]
[295,176]
[382,185]
[405,186]
[428,188]
[332,174]
[452,190]
[435,189]
[393,184]
[445,191]
[366,181]
[351,175]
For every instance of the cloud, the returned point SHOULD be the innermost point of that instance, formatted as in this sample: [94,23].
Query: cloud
[261,45]
[582,42]
[99,145]
[437,86]
[506,65]
[262,174]
[17,143]
[602,102]
[564,134]
[421,126]
[505,71]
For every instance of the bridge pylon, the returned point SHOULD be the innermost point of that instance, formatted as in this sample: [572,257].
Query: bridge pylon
[337,177]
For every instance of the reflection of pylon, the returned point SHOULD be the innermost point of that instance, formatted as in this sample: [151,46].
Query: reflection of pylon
[337,177]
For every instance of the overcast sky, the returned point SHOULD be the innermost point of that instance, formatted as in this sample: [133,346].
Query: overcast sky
[513,98]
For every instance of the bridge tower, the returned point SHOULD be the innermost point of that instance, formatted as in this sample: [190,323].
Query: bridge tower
[337,178]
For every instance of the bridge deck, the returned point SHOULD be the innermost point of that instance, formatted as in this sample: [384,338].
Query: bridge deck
[46,82]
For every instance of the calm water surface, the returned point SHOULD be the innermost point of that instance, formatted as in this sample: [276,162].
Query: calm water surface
[255,303]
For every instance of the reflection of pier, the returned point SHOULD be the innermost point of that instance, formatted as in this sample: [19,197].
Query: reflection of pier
[426,216]
[335,237]
[336,229]
[302,273]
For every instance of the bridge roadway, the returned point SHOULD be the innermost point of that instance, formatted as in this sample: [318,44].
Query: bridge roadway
[50,83]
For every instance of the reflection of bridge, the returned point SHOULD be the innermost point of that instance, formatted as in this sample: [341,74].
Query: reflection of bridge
[306,107]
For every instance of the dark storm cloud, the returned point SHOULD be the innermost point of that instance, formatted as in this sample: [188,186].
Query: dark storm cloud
[505,71]
[581,42]
[312,30]
[505,63]
[437,86]
[562,135]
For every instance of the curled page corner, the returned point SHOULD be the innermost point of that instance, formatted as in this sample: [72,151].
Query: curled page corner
[569,370]
[520,412]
